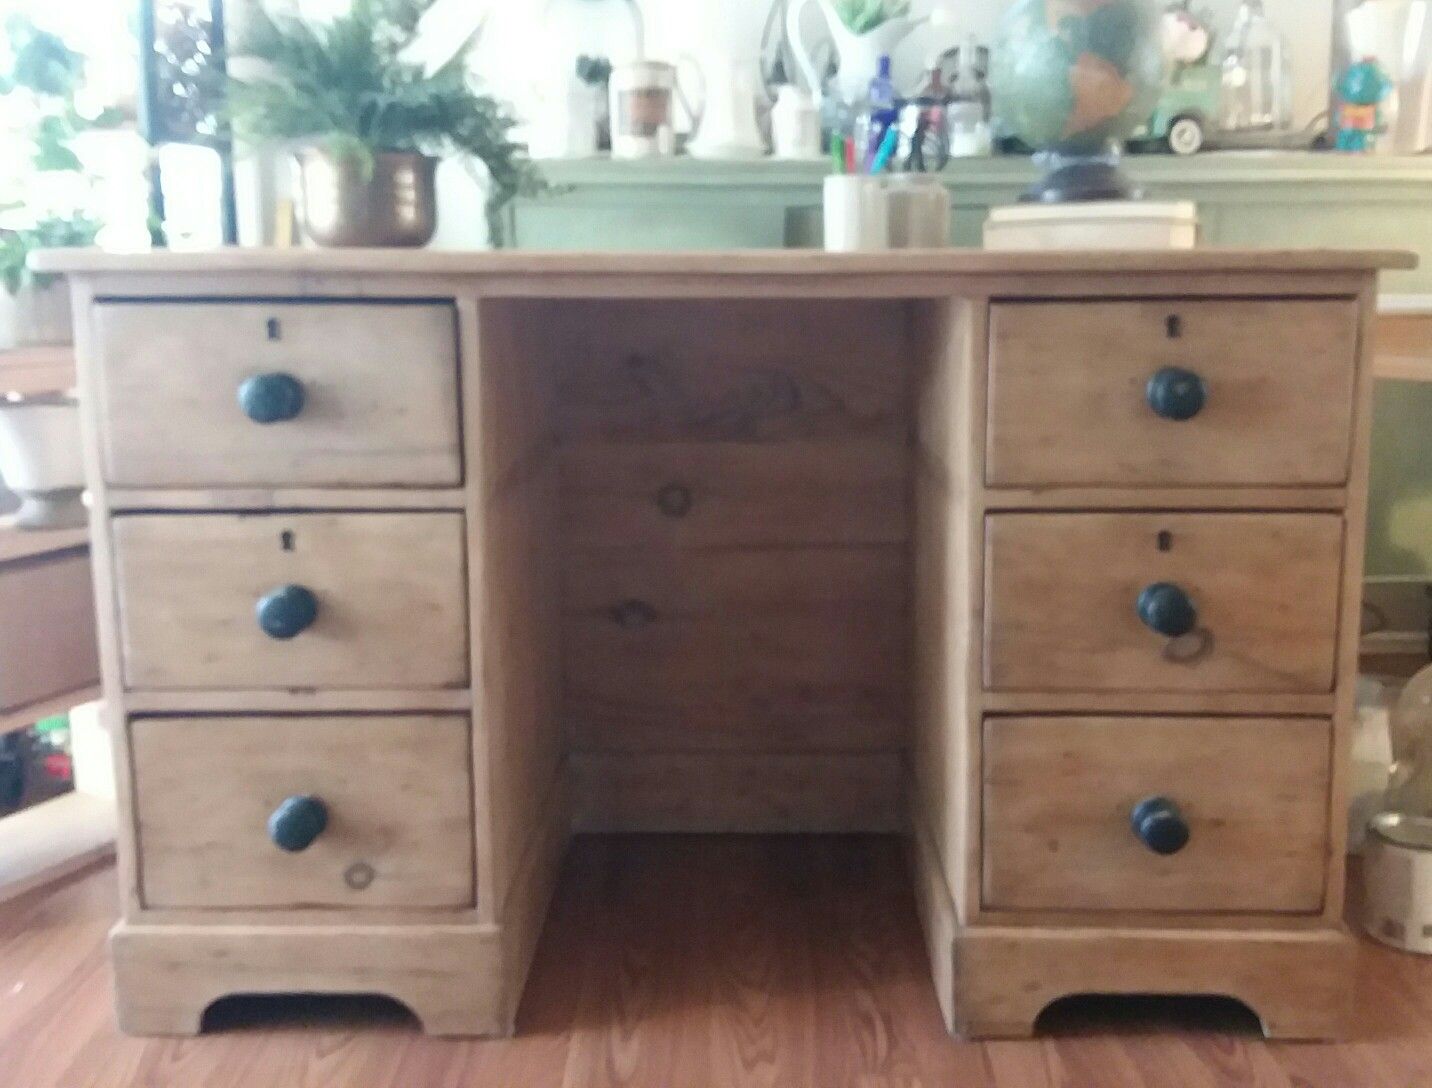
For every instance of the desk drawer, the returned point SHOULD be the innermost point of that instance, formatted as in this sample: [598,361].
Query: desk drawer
[1250,795]
[1074,400]
[376,394]
[393,796]
[1096,602]
[262,601]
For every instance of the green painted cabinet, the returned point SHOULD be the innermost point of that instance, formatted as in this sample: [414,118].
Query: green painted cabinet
[1244,199]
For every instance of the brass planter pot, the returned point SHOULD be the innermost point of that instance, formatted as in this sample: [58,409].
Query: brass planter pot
[343,203]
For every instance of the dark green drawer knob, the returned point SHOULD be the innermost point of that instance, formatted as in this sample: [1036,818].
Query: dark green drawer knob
[287,611]
[1177,394]
[297,822]
[271,398]
[1166,610]
[674,500]
[633,615]
[1159,825]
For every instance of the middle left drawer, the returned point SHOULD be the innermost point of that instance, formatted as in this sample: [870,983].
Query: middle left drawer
[278,600]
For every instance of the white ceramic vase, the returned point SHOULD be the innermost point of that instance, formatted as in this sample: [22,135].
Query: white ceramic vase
[40,461]
[35,316]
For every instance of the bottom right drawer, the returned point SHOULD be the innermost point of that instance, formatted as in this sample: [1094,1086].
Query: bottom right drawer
[1157,814]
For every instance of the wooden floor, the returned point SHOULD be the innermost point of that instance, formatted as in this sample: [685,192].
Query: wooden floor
[677,962]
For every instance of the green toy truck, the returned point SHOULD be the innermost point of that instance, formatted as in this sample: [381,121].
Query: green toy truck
[1187,111]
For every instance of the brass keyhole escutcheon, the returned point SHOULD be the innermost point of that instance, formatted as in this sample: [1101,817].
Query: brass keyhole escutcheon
[359,875]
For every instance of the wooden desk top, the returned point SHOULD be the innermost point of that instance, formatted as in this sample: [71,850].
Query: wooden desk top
[773,262]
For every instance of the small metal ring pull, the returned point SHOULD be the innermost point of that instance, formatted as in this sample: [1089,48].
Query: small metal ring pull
[674,500]
[1190,648]
[359,875]
[633,615]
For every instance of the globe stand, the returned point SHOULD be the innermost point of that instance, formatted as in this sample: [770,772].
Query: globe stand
[1084,201]
[1075,179]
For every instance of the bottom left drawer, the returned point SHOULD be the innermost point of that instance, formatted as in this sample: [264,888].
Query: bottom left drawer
[292,812]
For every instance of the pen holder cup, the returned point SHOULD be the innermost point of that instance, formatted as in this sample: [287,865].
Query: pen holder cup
[857,214]
[918,211]
[902,211]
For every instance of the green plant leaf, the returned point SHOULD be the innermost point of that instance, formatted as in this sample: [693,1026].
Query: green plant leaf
[54,233]
[43,63]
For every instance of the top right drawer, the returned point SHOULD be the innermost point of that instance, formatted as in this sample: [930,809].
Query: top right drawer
[1171,392]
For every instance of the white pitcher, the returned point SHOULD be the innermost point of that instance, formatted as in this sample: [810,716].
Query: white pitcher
[729,128]
[859,54]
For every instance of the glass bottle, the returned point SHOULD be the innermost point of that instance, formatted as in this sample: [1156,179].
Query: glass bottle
[1257,82]
[1410,792]
[876,114]
[969,112]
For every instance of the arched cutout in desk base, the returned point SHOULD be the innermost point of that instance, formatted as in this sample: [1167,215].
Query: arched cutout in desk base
[450,977]
[1295,981]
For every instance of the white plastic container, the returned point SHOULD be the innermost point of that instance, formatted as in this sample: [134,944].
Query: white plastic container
[1396,906]
[795,124]
[1112,224]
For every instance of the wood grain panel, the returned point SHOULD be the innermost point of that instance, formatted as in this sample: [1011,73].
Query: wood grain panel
[754,649]
[1402,346]
[1067,392]
[1058,793]
[397,790]
[738,792]
[721,494]
[728,370]
[380,382]
[1061,592]
[47,628]
[520,655]
[390,589]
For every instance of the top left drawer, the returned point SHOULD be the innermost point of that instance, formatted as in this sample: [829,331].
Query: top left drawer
[277,394]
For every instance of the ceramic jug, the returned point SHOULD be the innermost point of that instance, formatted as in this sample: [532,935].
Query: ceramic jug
[729,129]
[644,97]
[859,54]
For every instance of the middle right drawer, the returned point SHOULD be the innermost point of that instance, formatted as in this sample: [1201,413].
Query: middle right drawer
[1172,602]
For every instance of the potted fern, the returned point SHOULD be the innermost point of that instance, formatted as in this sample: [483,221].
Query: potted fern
[368,121]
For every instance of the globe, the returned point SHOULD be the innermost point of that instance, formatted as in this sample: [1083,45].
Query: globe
[1074,77]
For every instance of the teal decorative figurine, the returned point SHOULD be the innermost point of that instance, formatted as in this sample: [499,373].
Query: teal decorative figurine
[1362,90]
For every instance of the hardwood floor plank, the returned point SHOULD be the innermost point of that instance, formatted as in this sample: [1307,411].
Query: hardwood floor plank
[684,962]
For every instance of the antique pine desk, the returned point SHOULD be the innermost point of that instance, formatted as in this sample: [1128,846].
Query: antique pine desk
[410,564]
